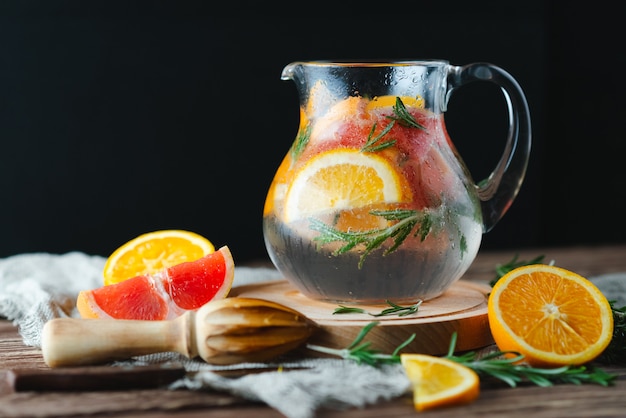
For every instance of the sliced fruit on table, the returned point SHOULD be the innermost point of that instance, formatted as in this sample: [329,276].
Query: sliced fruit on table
[438,382]
[343,179]
[166,294]
[552,316]
[154,251]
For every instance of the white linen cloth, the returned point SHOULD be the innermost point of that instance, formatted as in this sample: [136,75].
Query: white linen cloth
[37,287]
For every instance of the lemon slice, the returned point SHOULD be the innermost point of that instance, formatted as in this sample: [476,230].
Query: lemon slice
[339,180]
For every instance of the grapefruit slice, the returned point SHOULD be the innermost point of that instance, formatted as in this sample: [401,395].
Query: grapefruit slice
[166,294]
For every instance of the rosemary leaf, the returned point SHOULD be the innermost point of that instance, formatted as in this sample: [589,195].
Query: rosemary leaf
[510,371]
[496,364]
[348,310]
[615,353]
[374,238]
[301,142]
[372,140]
[502,269]
[394,309]
[404,117]
[361,353]
[400,310]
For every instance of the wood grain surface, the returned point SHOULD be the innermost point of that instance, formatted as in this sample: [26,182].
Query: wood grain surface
[462,310]
[496,399]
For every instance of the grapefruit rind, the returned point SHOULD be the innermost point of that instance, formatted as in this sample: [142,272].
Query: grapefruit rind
[155,290]
[577,350]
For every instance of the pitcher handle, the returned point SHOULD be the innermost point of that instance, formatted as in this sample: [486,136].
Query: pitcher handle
[500,188]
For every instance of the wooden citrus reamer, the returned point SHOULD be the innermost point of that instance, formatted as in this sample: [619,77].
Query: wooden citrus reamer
[226,331]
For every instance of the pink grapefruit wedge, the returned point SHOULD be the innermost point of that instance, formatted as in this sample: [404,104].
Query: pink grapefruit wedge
[165,294]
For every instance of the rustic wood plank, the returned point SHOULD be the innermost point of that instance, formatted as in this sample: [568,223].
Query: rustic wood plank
[94,378]
[68,404]
[496,399]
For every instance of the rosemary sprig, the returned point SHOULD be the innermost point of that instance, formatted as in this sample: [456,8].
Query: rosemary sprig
[502,269]
[361,352]
[400,114]
[304,135]
[403,116]
[370,146]
[496,364]
[407,220]
[510,371]
[615,353]
[394,309]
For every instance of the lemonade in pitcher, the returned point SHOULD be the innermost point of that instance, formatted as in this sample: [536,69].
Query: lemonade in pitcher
[372,203]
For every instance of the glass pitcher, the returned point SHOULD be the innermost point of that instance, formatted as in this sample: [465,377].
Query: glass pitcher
[372,202]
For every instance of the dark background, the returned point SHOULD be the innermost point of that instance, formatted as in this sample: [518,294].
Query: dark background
[120,120]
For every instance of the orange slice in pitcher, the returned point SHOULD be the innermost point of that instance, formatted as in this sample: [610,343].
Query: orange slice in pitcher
[154,251]
[342,179]
[166,294]
[390,101]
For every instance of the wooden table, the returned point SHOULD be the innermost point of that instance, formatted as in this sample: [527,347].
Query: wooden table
[495,400]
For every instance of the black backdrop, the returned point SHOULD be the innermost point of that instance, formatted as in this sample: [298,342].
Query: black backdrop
[119,120]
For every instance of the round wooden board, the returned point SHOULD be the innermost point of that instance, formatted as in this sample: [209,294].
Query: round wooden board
[461,309]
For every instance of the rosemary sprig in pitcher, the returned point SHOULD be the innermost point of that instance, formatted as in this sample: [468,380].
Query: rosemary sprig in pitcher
[373,238]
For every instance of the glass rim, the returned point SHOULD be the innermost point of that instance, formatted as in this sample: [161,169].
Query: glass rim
[373,62]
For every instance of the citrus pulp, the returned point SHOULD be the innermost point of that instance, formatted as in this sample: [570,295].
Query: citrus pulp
[154,251]
[165,294]
[550,315]
[439,382]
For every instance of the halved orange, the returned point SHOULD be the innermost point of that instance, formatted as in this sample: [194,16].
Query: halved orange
[552,316]
[343,179]
[154,251]
[438,382]
[166,294]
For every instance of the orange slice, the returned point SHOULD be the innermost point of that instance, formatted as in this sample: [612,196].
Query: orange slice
[278,187]
[552,316]
[342,179]
[154,251]
[390,101]
[438,382]
[166,294]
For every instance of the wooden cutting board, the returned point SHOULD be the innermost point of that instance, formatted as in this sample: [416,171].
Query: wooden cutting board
[461,309]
